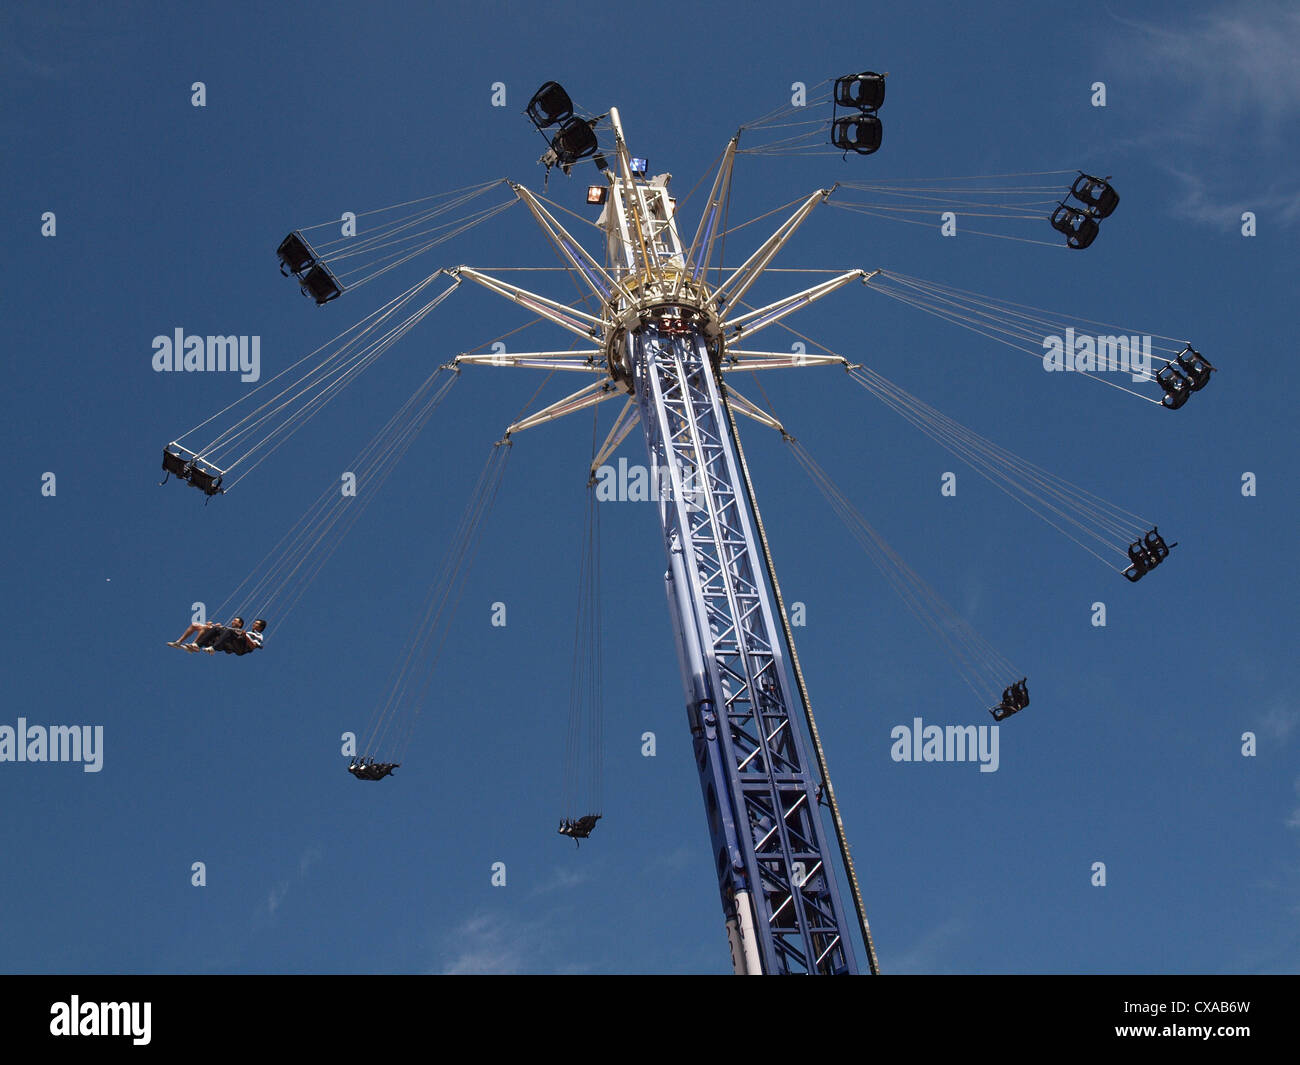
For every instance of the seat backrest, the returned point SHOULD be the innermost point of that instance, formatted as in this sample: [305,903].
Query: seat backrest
[865,91]
[1084,234]
[319,283]
[294,254]
[576,140]
[174,463]
[857,133]
[550,104]
[1098,194]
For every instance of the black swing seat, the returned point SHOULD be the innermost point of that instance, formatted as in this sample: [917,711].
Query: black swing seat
[1196,366]
[295,254]
[1015,697]
[857,133]
[1099,198]
[550,104]
[314,277]
[188,467]
[1155,543]
[865,91]
[1147,553]
[1177,388]
[1079,227]
[579,829]
[320,284]
[575,140]
[372,770]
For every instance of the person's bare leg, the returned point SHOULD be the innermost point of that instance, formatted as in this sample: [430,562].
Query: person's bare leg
[186,635]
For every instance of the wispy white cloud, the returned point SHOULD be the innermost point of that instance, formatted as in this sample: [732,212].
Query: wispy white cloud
[1219,93]
[309,857]
[487,945]
[931,952]
[1200,201]
[276,896]
[1279,721]
[1237,62]
[563,879]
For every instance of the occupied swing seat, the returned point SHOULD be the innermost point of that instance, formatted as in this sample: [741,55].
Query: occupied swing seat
[1015,698]
[580,828]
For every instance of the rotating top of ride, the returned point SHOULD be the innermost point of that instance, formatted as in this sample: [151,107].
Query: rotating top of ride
[650,279]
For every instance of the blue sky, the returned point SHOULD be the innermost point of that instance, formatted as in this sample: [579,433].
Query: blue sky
[168,216]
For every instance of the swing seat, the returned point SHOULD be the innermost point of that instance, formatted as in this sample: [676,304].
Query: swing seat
[1099,198]
[550,104]
[321,285]
[1177,388]
[1155,544]
[174,464]
[206,482]
[865,91]
[295,254]
[1196,366]
[576,140]
[190,468]
[1080,229]
[581,828]
[857,133]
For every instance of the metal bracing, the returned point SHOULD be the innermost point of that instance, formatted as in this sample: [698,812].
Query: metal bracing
[751,322]
[601,284]
[700,253]
[731,290]
[580,361]
[736,359]
[582,399]
[761,797]
[583,324]
[753,411]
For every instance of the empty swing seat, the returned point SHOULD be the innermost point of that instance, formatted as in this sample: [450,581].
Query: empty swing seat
[320,284]
[190,468]
[1080,228]
[207,483]
[865,91]
[1177,388]
[175,464]
[1196,366]
[857,133]
[550,104]
[295,254]
[575,140]
[1098,195]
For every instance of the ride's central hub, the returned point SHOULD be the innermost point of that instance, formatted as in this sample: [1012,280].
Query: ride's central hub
[670,304]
